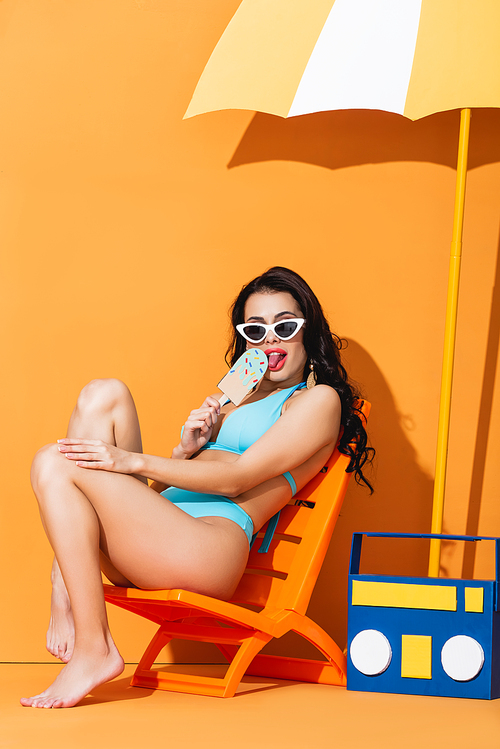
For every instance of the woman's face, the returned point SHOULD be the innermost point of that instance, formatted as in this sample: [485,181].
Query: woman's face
[287,359]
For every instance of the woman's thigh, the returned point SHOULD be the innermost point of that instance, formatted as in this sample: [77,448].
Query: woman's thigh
[152,542]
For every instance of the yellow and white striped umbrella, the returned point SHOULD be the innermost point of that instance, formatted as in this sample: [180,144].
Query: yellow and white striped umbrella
[410,57]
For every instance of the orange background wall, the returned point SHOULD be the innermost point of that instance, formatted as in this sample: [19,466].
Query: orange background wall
[127,231]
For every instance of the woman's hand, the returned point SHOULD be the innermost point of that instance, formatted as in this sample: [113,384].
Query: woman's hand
[98,455]
[198,428]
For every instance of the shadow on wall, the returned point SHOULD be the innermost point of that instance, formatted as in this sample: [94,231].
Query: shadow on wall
[483,424]
[352,137]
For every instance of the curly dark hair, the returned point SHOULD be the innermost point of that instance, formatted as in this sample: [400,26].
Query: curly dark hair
[323,350]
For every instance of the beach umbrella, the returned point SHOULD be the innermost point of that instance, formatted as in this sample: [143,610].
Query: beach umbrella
[410,57]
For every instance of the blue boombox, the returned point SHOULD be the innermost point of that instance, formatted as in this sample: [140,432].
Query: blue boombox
[430,636]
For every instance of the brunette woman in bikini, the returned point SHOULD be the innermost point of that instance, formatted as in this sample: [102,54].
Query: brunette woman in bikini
[100,514]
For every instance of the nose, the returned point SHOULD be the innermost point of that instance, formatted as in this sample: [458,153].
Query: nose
[271,337]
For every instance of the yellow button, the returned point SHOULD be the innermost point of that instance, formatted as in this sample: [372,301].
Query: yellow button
[404,595]
[474,600]
[416,656]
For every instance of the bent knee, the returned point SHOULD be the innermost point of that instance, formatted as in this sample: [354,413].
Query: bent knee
[102,395]
[47,465]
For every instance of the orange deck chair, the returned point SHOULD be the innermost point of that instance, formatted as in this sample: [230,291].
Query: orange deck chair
[278,583]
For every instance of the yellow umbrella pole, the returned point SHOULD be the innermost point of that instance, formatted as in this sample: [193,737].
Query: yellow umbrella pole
[449,345]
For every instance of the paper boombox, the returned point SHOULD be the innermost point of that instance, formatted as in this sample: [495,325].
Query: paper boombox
[435,636]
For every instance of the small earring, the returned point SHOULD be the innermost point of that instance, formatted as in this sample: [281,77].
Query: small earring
[311,380]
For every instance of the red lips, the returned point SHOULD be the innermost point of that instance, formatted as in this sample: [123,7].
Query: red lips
[277,358]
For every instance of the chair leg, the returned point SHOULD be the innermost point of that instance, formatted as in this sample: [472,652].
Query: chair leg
[320,639]
[158,642]
[228,651]
[182,682]
[241,662]
[332,671]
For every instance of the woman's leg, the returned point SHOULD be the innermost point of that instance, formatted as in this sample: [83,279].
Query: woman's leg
[104,410]
[152,542]
[73,531]
[61,630]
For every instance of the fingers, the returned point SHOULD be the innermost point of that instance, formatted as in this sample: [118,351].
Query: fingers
[213,402]
[91,460]
[203,420]
[83,455]
[199,425]
[208,413]
[98,465]
[204,425]
[82,449]
[211,405]
[79,441]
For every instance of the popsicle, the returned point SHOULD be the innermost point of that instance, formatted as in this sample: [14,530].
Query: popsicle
[243,377]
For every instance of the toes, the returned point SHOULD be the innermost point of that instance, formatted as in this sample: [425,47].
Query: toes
[46,702]
[36,701]
[28,701]
[51,649]
[66,653]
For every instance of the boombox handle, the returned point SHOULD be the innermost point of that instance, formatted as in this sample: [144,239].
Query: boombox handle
[357,539]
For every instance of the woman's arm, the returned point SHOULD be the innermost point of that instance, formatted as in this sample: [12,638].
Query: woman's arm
[311,422]
[196,432]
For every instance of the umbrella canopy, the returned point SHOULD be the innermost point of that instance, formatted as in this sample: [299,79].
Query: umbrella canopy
[409,57]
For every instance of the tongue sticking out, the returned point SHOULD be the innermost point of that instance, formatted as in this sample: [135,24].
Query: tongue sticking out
[275,359]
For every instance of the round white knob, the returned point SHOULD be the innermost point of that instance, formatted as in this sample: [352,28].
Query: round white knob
[370,652]
[462,657]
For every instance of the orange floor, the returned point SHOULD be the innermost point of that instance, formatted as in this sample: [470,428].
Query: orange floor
[263,715]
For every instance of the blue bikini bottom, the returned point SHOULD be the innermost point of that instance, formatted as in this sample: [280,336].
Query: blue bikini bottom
[210,505]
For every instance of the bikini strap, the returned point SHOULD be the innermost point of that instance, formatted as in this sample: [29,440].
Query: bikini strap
[268,535]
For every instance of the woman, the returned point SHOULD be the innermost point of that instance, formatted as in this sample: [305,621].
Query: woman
[99,513]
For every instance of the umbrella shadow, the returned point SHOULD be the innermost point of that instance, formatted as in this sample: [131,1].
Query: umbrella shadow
[483,425]
[346,138]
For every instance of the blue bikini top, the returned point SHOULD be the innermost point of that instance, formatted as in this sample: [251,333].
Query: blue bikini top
[246,424]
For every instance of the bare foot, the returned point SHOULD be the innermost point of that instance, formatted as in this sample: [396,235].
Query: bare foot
[84,672]
[61,631]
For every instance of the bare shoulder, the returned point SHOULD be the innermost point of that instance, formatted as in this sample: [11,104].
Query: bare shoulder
[320,397]
[318,409]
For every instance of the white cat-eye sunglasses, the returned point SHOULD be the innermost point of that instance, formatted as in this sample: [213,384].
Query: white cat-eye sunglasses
[284,330]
